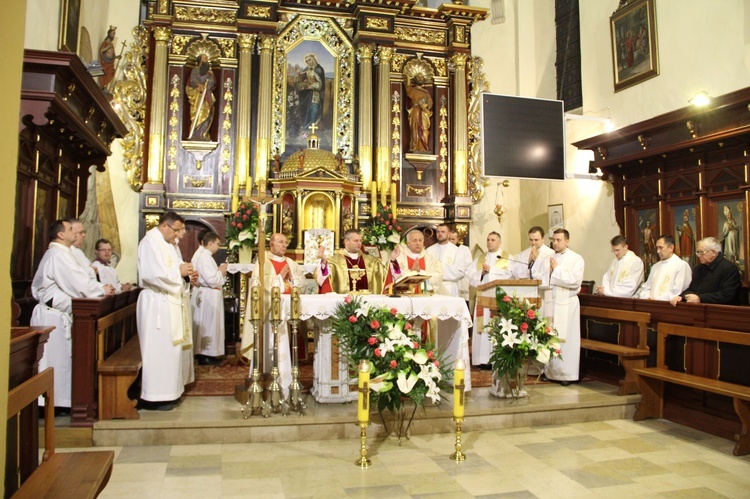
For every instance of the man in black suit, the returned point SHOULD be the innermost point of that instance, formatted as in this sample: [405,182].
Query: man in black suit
[715,279]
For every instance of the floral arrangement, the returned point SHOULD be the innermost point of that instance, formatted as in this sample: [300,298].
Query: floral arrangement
[519,334]
[401,366]
[383,232]
[243,226]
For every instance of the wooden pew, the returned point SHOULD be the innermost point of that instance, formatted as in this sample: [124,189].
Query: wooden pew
[630,357]
[70,475]
[651,380]
[116,373]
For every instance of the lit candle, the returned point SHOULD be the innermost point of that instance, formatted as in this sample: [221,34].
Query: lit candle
[393,200]
[295,303]
[275,303]
[363,387]
[255,303]
[458,390]
[373,199]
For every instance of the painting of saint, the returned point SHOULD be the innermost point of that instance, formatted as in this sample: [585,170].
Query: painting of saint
[730,225]
[684,227]
[647,240]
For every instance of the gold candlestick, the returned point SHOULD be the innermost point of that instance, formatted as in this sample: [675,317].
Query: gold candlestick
[458,455]
[363,462]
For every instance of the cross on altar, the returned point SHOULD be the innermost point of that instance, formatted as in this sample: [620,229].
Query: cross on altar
[364,391]
[313,127]
[461,387]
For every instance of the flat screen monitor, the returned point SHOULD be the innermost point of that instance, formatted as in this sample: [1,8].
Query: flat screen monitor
[522,137]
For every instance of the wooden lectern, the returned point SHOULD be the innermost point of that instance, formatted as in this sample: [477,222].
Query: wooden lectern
[526,288]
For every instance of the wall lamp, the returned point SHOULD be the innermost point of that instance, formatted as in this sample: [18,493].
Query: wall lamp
[607,122]
[701,99]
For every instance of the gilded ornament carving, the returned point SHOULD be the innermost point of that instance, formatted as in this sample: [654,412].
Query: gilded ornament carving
[151,221]
[205,14]
[246,42]
[329,34]
[396,136]
[179,42]
[227,46]
[398,62]
[365,51]
[376,23]
[478,84]
[441,68]
[162,34]
[266,42]
[199,205]
[462,230]
[459,60]
[420,35]
[226,126]
[200,182]
[420,212]
[174,111]
[258,11]
[419,190]
[130,94]
[207,46]
[443,139]
[385,54]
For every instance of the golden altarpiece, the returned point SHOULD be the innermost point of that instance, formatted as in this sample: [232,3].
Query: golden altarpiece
[236,89]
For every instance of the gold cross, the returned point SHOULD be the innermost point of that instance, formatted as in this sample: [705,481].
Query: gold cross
[461,387]
[364,391]
[313,127]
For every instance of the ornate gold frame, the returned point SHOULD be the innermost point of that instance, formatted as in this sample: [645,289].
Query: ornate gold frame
[333,38]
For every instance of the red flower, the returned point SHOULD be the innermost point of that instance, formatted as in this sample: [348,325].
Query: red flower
[394,364]
[394,310]
[558,351]
[506,298]
[244,217]
[437,363]
[531,314]
[242,206]
[234,224]
[524,327]
[352,319]
[430,355]
[372,340]
[398,228]
[407,326]
[390,215]
[385,208]
[375,324]
[548,329]
[348,299]
[390,227]
[239,225]
[376,352]
[415,344]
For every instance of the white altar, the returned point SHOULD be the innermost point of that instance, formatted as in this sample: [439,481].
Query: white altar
[331,383]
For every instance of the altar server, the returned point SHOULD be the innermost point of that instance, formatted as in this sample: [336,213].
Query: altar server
[207,301]
[102,264]
[529,264]
[625,272]
[76,250]
[670,276]
[456,261]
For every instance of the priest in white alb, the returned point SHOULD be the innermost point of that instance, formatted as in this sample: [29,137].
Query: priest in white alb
[529,264]
[668,277]
[207,301]
[625,273]
[456,261]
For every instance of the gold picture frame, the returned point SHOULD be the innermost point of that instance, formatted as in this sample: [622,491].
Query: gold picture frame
[635,51]
[70,13]
[329,44]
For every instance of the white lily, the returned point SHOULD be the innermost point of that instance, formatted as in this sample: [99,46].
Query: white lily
[510,338]
[394,238]
[387,346]
[363,310]
[395,332]
[381,240]
[406,384]
[507,326]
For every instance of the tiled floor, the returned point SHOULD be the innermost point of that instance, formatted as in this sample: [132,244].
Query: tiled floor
[615,458]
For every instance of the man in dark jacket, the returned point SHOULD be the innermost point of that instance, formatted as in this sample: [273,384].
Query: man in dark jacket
[715,279]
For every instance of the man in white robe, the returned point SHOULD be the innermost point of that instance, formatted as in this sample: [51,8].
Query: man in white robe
[529,264]
[57,281]
[284,273]
[456,261]
[163,316]
[102,265]
[625,273]
[78,253]
[463,285]
[668,277]
[493,265]
[207,301]
[566,274]
[414,258]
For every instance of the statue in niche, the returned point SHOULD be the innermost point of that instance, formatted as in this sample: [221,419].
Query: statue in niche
[287,222]
[318,214]
[199,91]
[420,114]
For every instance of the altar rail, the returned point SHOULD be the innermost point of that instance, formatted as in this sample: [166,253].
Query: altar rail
[101,326]
[695,356]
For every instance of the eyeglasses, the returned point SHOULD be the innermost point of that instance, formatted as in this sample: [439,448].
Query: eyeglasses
[701,253]
[176,230]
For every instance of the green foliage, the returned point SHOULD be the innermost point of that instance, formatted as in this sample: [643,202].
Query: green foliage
[243,226]
[383,231]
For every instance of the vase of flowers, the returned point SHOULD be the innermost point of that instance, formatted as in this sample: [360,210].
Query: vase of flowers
[403,369]
[383,231]
[520,336]
[242,232]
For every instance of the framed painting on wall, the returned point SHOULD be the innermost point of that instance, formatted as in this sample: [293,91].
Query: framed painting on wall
[555,218]
[731,228]
[70,12]
[647,234]
[685,232]
[635,52]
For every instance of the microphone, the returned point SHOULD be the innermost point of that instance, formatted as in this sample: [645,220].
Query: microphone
[529,264]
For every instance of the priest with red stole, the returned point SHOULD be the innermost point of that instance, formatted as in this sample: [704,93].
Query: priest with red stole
[348,269]
[282,272]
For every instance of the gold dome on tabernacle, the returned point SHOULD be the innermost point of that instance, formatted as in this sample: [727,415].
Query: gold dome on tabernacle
[312,158]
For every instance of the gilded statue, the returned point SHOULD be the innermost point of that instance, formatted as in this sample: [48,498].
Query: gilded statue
[199,91]
[420,114]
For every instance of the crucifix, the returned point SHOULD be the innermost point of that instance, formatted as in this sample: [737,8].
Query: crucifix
[461,387]
[365,390]
[313,127]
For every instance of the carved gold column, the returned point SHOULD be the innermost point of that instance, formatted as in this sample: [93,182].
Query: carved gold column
[242,157]
[365,113]
[383,136]
[265,94]
[460,127]
[158,117]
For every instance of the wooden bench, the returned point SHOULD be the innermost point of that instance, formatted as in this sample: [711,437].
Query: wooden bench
[69,475]
[116,373]
[651,380]
[630,357]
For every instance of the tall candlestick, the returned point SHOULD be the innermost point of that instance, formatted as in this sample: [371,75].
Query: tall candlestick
[255,303]
[373,199]
[275,303]
[363,398]
[458,390]
[295,303]
[393,200]
[383,192]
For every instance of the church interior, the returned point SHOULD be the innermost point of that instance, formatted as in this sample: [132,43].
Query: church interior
[330,113]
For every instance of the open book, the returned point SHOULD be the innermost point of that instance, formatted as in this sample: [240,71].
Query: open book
[408,281]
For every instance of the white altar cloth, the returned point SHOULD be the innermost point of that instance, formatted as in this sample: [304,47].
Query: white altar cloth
[331,382]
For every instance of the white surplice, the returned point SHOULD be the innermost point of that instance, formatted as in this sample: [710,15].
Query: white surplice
[83,261]
[207,301]
[565,308]
[623,276]
[58,279]
[456,262]
[520,268]
[667,279]
[499,263]
[161,318]
[108,275]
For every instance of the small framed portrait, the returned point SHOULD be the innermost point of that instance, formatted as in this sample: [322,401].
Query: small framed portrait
[555,218]
[371,250]
[70,12]
[635,54]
